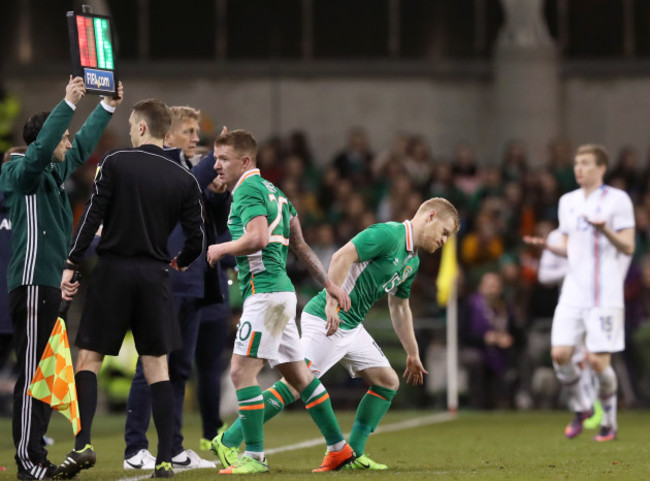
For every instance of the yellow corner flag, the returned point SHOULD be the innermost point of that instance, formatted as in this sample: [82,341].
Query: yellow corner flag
[448,271]
[53,383]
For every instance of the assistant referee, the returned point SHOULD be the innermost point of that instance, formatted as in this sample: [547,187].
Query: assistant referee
[140,194]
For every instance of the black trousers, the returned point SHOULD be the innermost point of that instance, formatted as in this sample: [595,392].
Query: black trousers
[34,310]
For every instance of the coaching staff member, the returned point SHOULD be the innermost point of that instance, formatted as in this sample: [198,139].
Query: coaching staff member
[33,187]
[140,194]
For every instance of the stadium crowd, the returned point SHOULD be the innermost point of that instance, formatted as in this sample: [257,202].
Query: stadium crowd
[499,202]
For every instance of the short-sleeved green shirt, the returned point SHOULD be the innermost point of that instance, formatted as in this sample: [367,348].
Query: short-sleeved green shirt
[265,270]
[387,265]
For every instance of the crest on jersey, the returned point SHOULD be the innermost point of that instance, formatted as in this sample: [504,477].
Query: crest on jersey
[397,279]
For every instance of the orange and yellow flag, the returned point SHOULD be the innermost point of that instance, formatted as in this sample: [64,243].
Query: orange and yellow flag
[53,383]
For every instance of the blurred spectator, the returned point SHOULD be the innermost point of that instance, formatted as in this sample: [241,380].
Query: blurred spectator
[327,190]
[481,248]
[625,173]
[394,155]
[443,185]
[298,146]
[395,202]
[353,209]
[560,163]
[322,243]
[491,186]
[518,218]
[388,166]
[413,202]
[642,234]
[354,162]
[464,169]
[368,218]
[631,366]
[515,289]
[342,190]
[487,330]
[296,185]
[514,164]
[418,162]
[547,197]
[268,160]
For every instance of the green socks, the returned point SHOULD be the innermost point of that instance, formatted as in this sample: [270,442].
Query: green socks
[275,399]
[318,405]
[251,415]
[371,410]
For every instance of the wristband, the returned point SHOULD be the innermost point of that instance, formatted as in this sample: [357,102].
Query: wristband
[69,266]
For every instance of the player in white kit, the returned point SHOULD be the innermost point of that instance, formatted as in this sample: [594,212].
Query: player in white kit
[597,227]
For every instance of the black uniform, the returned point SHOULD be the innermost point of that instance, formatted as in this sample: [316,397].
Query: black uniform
[140,194]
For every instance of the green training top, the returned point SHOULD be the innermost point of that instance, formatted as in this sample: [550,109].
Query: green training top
[387,264]
[34,188]
[265,270]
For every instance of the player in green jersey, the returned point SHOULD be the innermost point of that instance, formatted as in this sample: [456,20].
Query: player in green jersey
[264,225]
[383,259]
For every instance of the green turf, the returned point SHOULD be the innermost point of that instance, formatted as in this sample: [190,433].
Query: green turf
[476,446]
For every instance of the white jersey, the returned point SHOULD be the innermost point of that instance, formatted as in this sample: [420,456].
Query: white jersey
[596,268]
[552,268]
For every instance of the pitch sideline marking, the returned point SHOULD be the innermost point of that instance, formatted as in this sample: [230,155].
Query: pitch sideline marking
[398,426]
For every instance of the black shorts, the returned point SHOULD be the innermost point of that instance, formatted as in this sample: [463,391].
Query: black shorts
[123,294]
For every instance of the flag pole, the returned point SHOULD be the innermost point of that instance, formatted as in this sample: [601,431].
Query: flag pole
[447,295]
[452,348]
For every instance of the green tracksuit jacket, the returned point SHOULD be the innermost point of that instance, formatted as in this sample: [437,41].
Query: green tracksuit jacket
[40,213]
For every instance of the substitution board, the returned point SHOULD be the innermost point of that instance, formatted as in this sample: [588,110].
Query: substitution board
[92,51]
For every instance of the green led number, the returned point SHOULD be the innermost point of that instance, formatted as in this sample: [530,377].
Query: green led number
[103,44]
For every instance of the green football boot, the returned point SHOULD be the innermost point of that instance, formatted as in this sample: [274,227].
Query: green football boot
[364,462]
[163,470]
[206,444]
[246,465]
[227,456]
[594,421]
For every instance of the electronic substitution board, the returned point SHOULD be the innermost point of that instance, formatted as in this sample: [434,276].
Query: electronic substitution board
[92,51]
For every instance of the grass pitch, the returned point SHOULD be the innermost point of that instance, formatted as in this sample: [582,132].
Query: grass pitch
[474,446]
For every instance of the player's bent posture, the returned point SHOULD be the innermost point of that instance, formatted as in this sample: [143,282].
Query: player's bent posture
[264,224]
[597,226]
[382,259]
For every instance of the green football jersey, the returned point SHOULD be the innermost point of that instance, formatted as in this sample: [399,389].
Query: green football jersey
[387,265]
[265,270]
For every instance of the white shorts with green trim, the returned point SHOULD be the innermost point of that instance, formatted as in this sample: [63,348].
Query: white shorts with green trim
[354,348]
[267,328]
[601,328]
